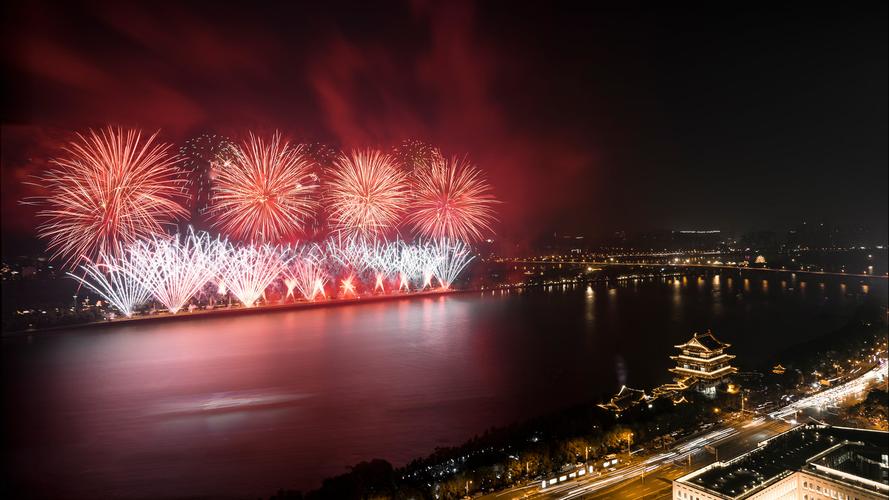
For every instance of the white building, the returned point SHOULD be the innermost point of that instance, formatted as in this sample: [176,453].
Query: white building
[806,463]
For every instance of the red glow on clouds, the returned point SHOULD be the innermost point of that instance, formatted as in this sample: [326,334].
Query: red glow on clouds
[168,67]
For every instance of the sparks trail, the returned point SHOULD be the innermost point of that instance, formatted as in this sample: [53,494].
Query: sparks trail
[192,270]
[174,270]
[115,282]
[247,271]
[201,157]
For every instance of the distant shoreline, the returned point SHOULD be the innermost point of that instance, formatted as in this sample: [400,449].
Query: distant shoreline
[701,266]
[291,306]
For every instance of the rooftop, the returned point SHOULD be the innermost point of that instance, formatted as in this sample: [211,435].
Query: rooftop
[789,452]
[853,462]
[624,399]
[704,342]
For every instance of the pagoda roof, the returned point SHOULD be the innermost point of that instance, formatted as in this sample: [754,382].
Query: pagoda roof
[625,399]
[704,342]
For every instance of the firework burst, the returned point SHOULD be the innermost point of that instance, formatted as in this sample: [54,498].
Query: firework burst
[265,192]
[248,271]
[366,194]
[110,188]
[451,200]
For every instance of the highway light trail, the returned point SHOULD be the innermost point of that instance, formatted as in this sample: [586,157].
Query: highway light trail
[680,452]
[834,395]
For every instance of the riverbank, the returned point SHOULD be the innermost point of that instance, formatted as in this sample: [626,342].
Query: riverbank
[232,310]
[237,309]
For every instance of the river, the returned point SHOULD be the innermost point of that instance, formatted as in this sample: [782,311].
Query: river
[243,405]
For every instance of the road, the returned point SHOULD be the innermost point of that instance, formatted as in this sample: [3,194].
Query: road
[729,441]
[835,395]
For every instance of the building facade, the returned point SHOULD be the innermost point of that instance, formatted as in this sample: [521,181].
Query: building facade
[807,463]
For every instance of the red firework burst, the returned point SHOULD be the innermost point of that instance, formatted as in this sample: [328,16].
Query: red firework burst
[109,189]
[265,192]
[451,200]
[366,194]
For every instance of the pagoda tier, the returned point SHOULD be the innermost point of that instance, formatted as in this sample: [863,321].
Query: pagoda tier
[716,374]
[703,358]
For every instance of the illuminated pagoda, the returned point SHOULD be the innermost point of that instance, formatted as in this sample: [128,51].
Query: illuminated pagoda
[703,362]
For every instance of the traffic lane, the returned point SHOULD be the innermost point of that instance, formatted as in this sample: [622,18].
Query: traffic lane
[650,486]
[745,439]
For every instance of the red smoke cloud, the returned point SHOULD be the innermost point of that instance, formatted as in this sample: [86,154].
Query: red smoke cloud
[166,66]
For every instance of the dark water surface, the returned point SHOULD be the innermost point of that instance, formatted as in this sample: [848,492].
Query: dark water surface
[245,405]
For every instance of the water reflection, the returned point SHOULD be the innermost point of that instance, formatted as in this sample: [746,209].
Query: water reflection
[255,403]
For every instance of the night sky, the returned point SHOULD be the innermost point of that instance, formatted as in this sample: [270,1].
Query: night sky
[585,120]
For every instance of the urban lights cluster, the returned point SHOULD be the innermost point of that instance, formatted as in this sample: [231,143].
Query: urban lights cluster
[175,271]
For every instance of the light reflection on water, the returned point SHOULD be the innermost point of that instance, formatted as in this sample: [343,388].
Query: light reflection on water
[248,404]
